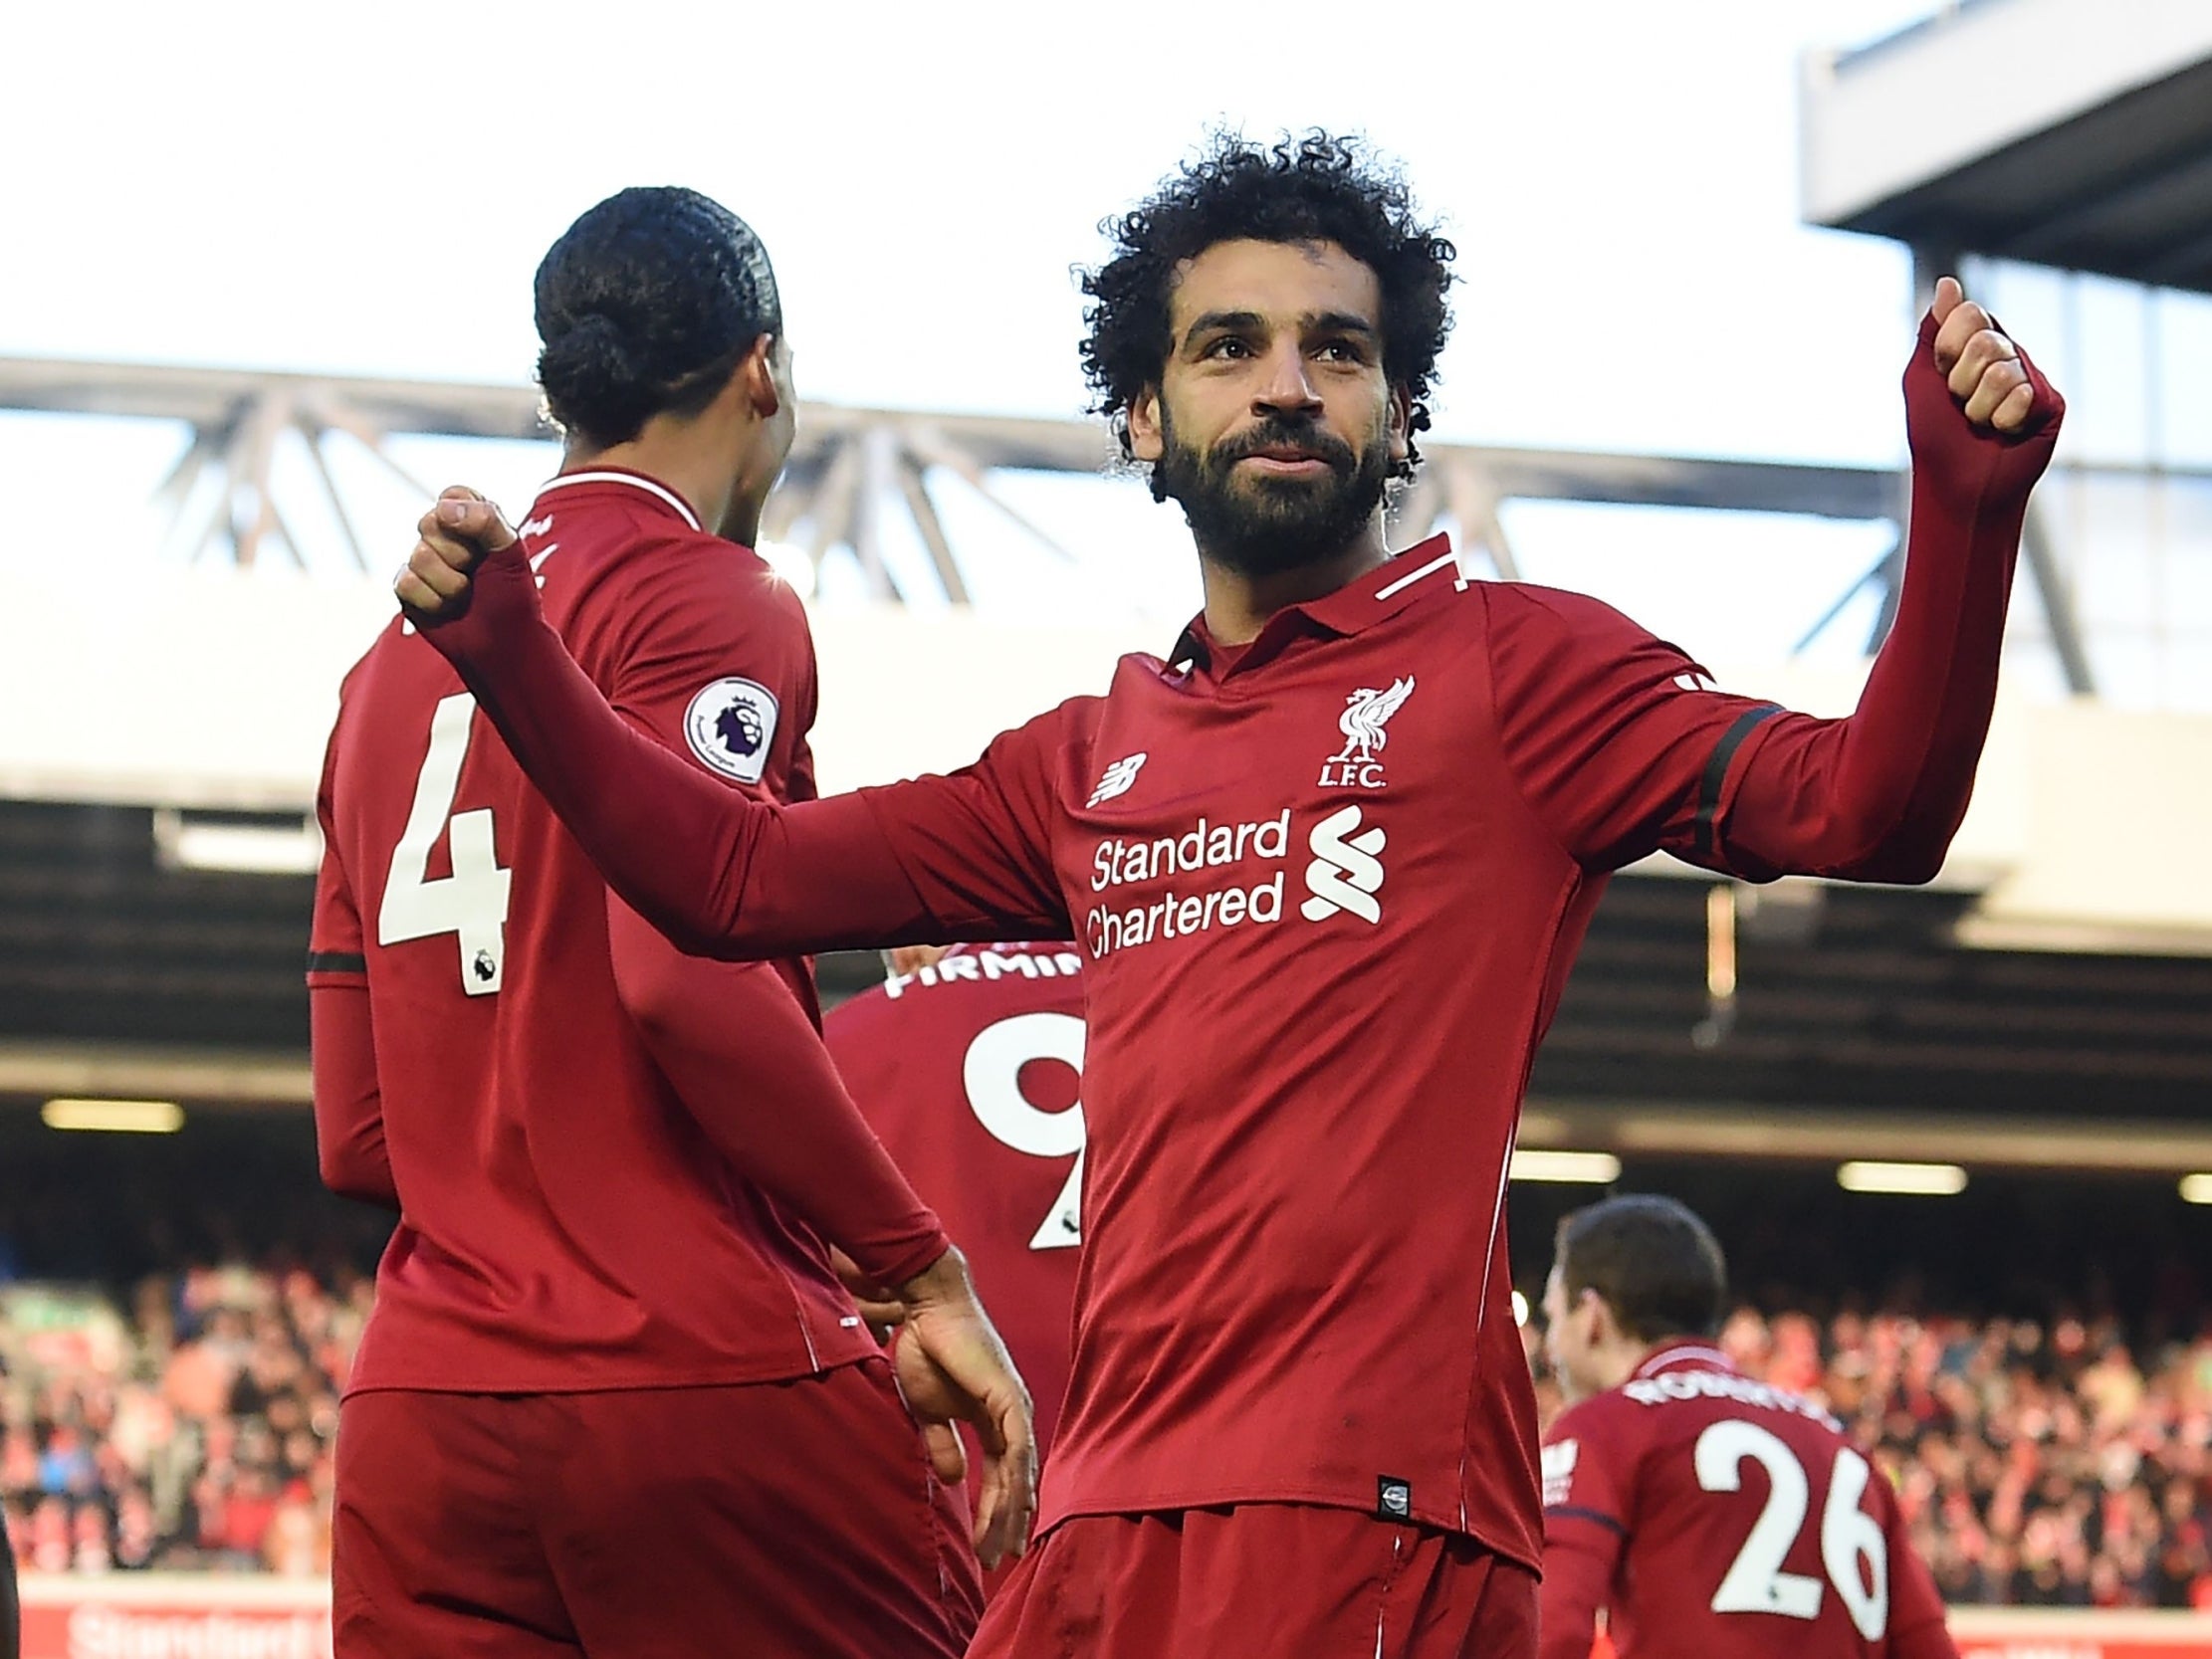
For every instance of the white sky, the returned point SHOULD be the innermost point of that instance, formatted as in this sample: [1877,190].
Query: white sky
[368,189]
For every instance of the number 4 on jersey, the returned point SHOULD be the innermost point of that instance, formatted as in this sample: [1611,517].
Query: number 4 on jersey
[469,902]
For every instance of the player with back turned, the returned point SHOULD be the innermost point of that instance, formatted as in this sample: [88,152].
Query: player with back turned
[612,1399]
[1328,861]
[1710,1516]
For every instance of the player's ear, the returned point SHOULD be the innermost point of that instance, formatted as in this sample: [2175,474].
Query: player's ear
[1146,442]
[1597,1318]
[1399,424]
[765,374]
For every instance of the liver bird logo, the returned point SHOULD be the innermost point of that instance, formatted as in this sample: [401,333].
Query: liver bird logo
[1365,711]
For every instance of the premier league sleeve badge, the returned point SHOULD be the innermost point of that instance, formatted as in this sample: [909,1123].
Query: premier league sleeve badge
[730,726]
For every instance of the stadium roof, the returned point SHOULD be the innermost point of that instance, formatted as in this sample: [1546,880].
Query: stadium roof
[2053,131]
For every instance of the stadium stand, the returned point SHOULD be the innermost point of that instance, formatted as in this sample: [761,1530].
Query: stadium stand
[2056,1460]
[196,1432]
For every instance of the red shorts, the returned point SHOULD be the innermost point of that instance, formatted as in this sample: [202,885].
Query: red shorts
[795,1519]
[1267,1581]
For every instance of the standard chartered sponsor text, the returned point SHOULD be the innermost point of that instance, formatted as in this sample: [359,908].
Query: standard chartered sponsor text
[1229,899]
[101,1631]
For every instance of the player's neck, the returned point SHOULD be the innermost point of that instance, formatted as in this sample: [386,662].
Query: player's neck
[1238,603]
[701,475]
[1617,1359]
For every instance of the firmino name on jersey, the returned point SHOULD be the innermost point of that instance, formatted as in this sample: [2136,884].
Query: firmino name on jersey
[986,968]
[1204,846]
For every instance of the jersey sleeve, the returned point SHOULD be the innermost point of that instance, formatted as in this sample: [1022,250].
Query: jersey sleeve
[1620,748]
[349,1099]
[336,954]
[933,860]
[713,660]
[1585,1477]
[715,666]
[1616,740]
[744,1058]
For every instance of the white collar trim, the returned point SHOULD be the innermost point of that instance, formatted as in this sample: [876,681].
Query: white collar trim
[1675,1356]
[635,481]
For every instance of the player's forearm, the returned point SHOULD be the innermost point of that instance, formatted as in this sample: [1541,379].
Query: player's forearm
[348,1105]
[1880,795]
[719,874]
[741,1055]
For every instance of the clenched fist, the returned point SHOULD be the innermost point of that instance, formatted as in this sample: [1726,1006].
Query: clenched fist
[1982,366]
[458,532]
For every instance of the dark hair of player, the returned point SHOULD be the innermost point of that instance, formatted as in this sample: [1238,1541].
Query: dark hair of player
[644,306]
[1313,188]
[1651,1260]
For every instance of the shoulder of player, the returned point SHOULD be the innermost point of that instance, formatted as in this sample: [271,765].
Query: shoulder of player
[652,555]
[1556,636]
[1500,622]
[715,592]
[396,649]
[1531,607]
[850,1028]
[1066,726]
[1598,1418]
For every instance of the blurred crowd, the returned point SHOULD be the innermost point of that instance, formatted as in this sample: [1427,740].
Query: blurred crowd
[196,1433]
[2041,1463]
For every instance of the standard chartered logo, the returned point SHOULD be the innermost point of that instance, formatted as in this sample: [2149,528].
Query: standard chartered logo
[1345,873]
[1209,877]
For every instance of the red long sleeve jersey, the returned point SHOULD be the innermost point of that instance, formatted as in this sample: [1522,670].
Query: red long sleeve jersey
[566,1222]
[970,1072]
[1714,1517]
[1328,887]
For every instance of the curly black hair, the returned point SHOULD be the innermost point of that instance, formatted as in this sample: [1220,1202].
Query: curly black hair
[1314,187]
[644,306]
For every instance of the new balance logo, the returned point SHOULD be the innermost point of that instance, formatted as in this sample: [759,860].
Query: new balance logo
[1117,779]
[1558,1462]
[1345,873]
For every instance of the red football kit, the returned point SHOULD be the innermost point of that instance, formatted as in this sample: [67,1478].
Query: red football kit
[1713,1517]
[970,1072]
[614,1166]
[1328,886]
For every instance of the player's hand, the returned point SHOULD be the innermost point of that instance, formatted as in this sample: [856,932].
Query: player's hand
[456,536]
[1982,366]
[953,1367]
[878,1303]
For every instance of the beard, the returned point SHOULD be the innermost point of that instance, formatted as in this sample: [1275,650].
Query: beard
[1262,525]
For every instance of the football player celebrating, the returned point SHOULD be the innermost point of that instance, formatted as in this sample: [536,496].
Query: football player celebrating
[1328,861]
[1708,1515]
[612,1399]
